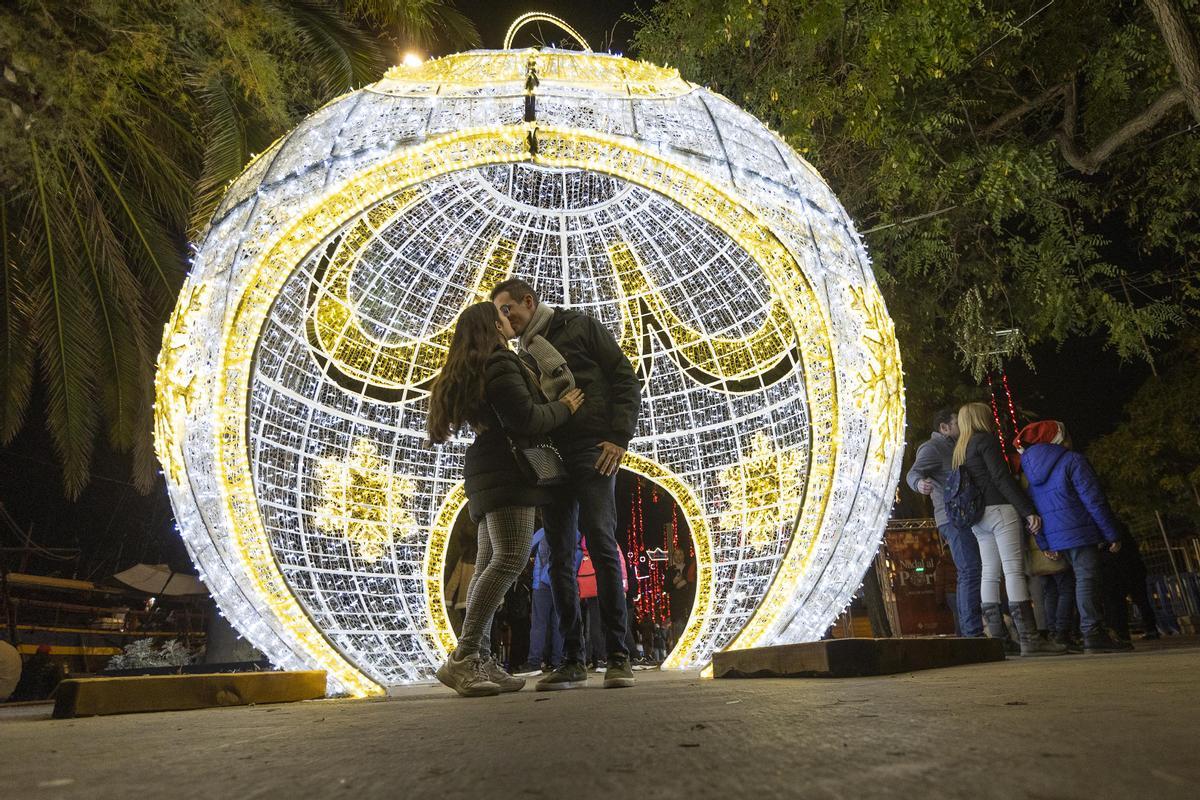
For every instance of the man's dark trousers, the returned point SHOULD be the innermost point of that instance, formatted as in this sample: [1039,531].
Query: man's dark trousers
[587,503]
[964,549]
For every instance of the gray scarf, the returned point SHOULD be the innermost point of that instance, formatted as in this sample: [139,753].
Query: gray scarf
[553,373]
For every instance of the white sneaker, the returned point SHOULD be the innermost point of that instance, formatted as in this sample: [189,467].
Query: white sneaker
[468,677]
[496,674]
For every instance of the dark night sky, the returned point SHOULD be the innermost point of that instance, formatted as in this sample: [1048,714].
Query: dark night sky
[1080,383]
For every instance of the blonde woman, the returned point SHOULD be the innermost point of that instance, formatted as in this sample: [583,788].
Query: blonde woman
[999,531]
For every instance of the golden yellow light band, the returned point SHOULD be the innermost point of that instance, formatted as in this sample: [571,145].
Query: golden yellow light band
[597,72]
[810,318]
[435,567]
[724,358]
[538,16]
[462,150]
[339,331]
[693,512]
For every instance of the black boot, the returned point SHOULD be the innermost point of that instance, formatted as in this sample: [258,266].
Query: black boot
[1101,642]
[1066,640]
[1031,643]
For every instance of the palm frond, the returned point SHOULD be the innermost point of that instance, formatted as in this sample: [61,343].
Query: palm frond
[423,22]
[63,330]
[225,147]
[143,235]
[407,17]
[145,467]
[153,166]
[154,243]
[343,55]
[16,350]
[454,27]
[120,339]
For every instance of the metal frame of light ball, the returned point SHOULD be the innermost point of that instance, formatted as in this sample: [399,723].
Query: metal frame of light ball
[558,147]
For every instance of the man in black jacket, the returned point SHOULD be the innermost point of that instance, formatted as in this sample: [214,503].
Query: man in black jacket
[567,350]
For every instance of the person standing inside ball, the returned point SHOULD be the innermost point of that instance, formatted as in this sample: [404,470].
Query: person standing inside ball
[484,385]
[568,350]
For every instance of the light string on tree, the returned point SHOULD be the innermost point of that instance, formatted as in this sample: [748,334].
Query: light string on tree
[996,420]
[638,558]
[1012,409]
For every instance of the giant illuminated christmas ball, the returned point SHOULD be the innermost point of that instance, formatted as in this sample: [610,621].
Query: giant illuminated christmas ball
[293,383]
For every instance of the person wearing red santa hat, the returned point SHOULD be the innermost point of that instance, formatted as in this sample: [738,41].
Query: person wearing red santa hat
[1076,519]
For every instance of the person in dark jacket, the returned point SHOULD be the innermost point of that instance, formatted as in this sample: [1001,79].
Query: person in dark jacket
[928,476]
[484,385]
[1076,520]
[1123,576]
[568,349]
[999,531]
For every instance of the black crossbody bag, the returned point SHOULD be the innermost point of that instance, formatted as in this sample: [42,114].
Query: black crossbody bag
[541,464]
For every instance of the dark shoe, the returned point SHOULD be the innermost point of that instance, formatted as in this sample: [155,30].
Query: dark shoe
[467,676]
[1101,642]
[571,675]
[1150,636]
[1066,641]
[527,670]
[1031,643]
[619,674]
[497,675]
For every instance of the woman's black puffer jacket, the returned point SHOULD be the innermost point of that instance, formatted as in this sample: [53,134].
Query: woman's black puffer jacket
[986,465]
[493,479]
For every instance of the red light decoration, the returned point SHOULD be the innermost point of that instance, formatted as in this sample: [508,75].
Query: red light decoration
[996,419]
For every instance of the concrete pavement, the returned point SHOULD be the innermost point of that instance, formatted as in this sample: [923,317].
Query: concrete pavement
[1111,726]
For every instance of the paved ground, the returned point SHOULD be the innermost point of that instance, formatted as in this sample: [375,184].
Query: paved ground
[1118,726]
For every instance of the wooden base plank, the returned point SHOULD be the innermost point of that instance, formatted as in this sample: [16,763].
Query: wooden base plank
[87,697]
[853,658]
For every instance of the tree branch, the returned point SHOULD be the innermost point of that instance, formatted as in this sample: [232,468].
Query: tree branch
[1090,162]
[1181,46]
[1008,117]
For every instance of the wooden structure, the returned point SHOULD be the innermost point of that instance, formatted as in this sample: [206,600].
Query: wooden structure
[854,658]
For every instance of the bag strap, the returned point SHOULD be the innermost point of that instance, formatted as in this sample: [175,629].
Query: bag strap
[503,429]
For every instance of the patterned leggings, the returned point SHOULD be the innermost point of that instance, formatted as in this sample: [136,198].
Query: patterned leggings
[505,538]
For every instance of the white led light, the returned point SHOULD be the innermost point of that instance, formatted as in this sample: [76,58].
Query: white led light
[291,390]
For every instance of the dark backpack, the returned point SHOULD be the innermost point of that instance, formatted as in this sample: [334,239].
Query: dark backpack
[964,500]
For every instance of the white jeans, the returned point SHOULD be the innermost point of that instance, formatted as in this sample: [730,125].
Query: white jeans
[1000,535]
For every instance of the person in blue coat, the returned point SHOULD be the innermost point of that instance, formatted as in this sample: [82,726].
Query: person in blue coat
[1076,519]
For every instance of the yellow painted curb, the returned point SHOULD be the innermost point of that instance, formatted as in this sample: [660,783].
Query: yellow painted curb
[87,697]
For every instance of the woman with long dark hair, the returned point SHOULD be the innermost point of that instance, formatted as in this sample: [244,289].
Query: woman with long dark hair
[485,386]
